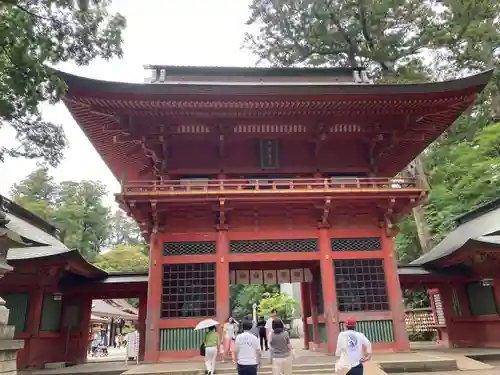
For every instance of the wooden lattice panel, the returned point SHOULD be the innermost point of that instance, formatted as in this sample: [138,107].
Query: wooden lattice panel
[274,246]
[188,290]
[361,285]
[188,248]
[356,244]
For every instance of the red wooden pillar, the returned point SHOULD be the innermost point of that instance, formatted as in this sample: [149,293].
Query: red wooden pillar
[33,326]
[35,312]
[222,277]
[84,328]
[313,288]
[141,326]
[329,292]
[395,295]
[152,348]
[306,311]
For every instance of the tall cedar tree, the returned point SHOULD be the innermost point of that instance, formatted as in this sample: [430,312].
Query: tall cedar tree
[37,34]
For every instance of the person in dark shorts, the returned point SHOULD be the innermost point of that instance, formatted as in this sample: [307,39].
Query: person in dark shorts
[246,352]
[261,324]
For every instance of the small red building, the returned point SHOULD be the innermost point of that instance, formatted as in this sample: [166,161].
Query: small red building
[462,274]
[243,175]
[50,290]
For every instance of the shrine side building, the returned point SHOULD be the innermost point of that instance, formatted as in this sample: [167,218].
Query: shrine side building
[267,175]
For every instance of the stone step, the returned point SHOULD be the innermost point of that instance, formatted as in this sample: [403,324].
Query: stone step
[427,365]
[268,371]
[319,368]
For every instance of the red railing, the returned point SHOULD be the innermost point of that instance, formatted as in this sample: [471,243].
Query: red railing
[312,184]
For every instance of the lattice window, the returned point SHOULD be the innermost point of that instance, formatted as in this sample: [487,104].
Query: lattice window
[271,246]
[356,244]
[188,248]
[361,285]
[188,290]
[457,310]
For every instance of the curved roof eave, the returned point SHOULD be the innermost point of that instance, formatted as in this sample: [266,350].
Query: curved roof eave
[91,85]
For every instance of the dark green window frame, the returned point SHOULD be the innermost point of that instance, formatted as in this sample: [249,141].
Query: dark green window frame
[482,300]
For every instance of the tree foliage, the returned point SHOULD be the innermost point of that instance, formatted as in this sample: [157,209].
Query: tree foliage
[123,258]
[244,296]
[125,231]
[75,208]
[286,307]
[35,34]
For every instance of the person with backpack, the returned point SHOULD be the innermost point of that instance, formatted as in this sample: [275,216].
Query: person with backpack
[353,349]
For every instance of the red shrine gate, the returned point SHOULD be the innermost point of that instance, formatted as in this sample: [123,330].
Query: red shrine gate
[237,169]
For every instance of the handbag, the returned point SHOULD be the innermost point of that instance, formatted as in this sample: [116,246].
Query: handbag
[342,366]
[202,349]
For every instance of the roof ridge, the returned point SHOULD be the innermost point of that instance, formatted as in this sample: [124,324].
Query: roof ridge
[478,211]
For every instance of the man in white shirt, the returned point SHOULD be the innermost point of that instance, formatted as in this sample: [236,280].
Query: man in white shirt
[353,348]
[246,352]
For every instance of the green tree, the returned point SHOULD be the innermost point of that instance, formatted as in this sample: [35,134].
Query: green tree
[338,32]
[286,307]
[75,208]
[467,180]
[81,216]
[34,35]
[125,231]
[37,193]
[123,258]
[244,296]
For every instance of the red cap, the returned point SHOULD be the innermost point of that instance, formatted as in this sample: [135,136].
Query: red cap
[350,322]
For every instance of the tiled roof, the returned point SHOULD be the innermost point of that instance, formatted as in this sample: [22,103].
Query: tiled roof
[483,228]
[103,309]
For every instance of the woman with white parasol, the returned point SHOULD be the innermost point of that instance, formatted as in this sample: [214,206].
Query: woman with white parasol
[210,344]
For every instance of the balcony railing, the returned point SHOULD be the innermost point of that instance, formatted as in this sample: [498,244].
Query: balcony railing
[200,186]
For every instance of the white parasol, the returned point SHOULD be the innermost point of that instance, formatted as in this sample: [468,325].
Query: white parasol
[207,323]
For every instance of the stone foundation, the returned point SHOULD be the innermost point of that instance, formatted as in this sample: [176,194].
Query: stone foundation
[8,350]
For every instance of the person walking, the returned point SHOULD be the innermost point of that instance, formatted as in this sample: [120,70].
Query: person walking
[281,349]
[261,324]
[230,329]
[269,323]
[211,342]
[246,353]
[353,349]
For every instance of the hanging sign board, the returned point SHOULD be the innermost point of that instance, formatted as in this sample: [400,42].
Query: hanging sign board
[269,154]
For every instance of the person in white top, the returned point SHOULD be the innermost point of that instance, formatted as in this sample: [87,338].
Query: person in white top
[246,353]
[353,348]
[269,323]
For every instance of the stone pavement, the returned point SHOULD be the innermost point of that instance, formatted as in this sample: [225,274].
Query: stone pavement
[306,363]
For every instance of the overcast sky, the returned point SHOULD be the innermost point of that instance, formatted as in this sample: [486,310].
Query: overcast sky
[169,32]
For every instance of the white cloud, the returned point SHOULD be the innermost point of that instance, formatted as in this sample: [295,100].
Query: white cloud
[170,32]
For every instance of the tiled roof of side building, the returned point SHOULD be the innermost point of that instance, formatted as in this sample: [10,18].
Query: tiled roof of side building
[481,225]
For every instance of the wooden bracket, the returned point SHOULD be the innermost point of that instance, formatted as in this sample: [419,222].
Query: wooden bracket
[154,214]
[222,224]
[326,211]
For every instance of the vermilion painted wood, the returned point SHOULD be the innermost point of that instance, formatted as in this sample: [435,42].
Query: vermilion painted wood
[394,293]
[329,290]
[154,299]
